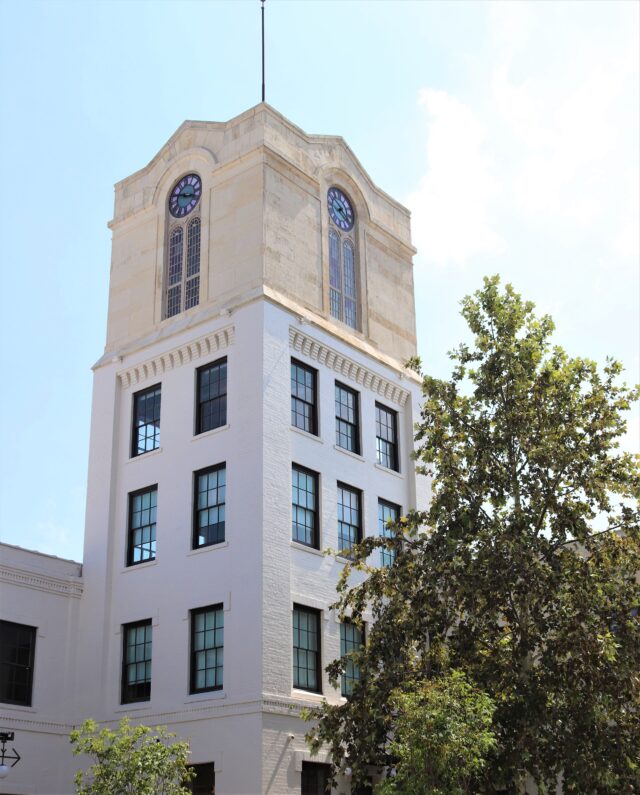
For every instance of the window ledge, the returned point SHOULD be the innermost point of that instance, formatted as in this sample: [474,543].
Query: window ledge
[207,548]
[204,434]
[134,706]
[18,708]
[309,695]
[307,435]
[147,454]
[393,472]
[144,565]
[211,695]
[305,548]
[344,450]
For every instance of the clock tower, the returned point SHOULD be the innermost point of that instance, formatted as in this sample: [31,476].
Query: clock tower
[251,410]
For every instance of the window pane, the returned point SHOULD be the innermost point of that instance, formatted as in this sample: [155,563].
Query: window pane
[304,513]
[212,396]
[174,271]
[136,656]
[174,299]
[350,317]
[142,526]
[386,439]
[347,431]
[146,421]
[306,649]
[351,639]
[207,642]
[192,296]
[193,248]
[303,397]
[209,502]
[387,513]
[334,262]
[315,778]
[17,652]
[205,780]
[349,527]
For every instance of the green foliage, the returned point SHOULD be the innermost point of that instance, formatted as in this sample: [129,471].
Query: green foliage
[523,571]
[134,760]
[441,738]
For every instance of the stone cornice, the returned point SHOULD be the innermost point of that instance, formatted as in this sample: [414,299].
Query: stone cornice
[189,352]
[41,582]
[28,723]
[347,368]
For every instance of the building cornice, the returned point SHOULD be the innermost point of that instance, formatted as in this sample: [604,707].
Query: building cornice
[189,352]
[41,582]
[347,368]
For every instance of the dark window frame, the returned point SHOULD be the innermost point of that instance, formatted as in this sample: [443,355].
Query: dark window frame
[193,652]
[315,543]
[145,685]
[135,427]
[222,397]
[387,449]
[309,611]
[344,551]
[387,556]
[311,778]
[131,529]
[14,669]
[196,509]
[205,781]
[343,423]
[352,671]
[296,399]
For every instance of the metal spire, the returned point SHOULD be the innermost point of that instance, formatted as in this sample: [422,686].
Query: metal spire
[262,10]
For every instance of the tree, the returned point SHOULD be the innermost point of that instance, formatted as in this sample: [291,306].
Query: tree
[522,573]
[441,736]
[134,760]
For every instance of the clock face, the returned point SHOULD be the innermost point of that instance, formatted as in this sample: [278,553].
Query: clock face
[185,195]
[340,209]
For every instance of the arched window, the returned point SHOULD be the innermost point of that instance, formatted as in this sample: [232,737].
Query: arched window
[343,278]
[182,280]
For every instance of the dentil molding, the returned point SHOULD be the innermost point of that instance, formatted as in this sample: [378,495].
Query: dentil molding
[346,367]
[191,351]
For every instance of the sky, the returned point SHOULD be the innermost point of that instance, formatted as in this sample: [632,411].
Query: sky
[510,129]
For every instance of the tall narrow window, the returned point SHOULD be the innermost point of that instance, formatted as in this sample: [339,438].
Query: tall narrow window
[145,434]
[351,639]
[207,648]
[388,513]
[136,662]
[193,264]
[182,272]
[17,653]
[343,289]
[209,506]
[303,397]
[347,419]
[174,272]
[306,649]
[142,526]
[349,518]
[386,437]
[212,396]
[304,506]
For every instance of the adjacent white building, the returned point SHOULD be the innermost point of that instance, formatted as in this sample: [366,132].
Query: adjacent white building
[251,410]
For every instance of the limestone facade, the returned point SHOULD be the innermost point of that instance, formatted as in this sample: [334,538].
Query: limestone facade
[264,300]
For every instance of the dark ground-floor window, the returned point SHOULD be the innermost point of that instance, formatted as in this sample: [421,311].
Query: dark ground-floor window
[205,781]
[315,778]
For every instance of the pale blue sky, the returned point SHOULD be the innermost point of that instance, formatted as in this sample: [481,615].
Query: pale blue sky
[510,129]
